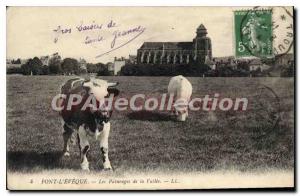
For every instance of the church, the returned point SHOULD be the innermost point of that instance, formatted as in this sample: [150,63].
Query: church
[197,51]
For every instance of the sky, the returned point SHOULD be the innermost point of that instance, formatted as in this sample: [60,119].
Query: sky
[116,31]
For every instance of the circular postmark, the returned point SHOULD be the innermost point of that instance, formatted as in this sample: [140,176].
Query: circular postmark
[265,32]
[283,30]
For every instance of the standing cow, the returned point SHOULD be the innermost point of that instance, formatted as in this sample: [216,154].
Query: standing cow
[181,90]
[88,122]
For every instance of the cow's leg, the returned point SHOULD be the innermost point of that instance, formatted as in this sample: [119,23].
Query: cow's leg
[84,148]
[104,146]
[173,98]
[67,133]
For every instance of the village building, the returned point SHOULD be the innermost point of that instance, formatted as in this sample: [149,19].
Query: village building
[256,64]
[199,50]
[118,64]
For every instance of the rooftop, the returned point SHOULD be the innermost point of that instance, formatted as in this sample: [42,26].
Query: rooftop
[168,45]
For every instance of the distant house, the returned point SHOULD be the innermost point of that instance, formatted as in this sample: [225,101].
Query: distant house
[223,60]
[212,66]
[256,64]
[9,63]
[118,64]
[228,61]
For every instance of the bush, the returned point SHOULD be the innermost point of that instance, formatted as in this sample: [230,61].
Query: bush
[45,70]
[32,67]
[95,68]
[104,72]
[14,70]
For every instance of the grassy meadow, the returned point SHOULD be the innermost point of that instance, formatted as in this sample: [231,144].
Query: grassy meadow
[261,137]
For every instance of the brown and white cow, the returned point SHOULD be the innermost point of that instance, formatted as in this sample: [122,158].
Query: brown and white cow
[87,121]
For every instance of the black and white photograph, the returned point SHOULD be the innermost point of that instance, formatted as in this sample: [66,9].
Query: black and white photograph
[150,98]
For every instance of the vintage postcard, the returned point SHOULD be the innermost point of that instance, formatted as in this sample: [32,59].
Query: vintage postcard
[150,98]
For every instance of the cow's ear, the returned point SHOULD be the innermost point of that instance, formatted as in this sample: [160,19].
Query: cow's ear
[113,91]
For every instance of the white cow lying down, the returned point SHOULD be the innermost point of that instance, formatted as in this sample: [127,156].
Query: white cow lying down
[88,124]
[181,89]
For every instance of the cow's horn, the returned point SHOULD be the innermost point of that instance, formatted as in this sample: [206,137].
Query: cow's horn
[112,84]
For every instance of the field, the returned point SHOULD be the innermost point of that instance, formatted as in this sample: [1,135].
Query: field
[257,139]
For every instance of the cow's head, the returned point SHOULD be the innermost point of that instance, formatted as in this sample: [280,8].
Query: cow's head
[101,89]
[181,109]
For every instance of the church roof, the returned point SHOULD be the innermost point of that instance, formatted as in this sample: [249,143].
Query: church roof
[201,27]
[168,45]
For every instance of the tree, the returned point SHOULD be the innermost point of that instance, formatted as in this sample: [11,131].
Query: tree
[92,68]
[225,71]
[70,66]
[14,70]
[33,66]
[55,64]
[288,71]
[102,69]
[95,68]
[18,61]
[45,70]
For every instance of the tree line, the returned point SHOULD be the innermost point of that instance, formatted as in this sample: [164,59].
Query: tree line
[193,70]
[71,66]
[58,66]
[240,69]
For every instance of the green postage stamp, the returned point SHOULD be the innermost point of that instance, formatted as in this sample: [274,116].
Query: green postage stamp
[253,33]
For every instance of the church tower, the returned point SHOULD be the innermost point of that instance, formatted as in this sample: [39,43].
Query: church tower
[202,46]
